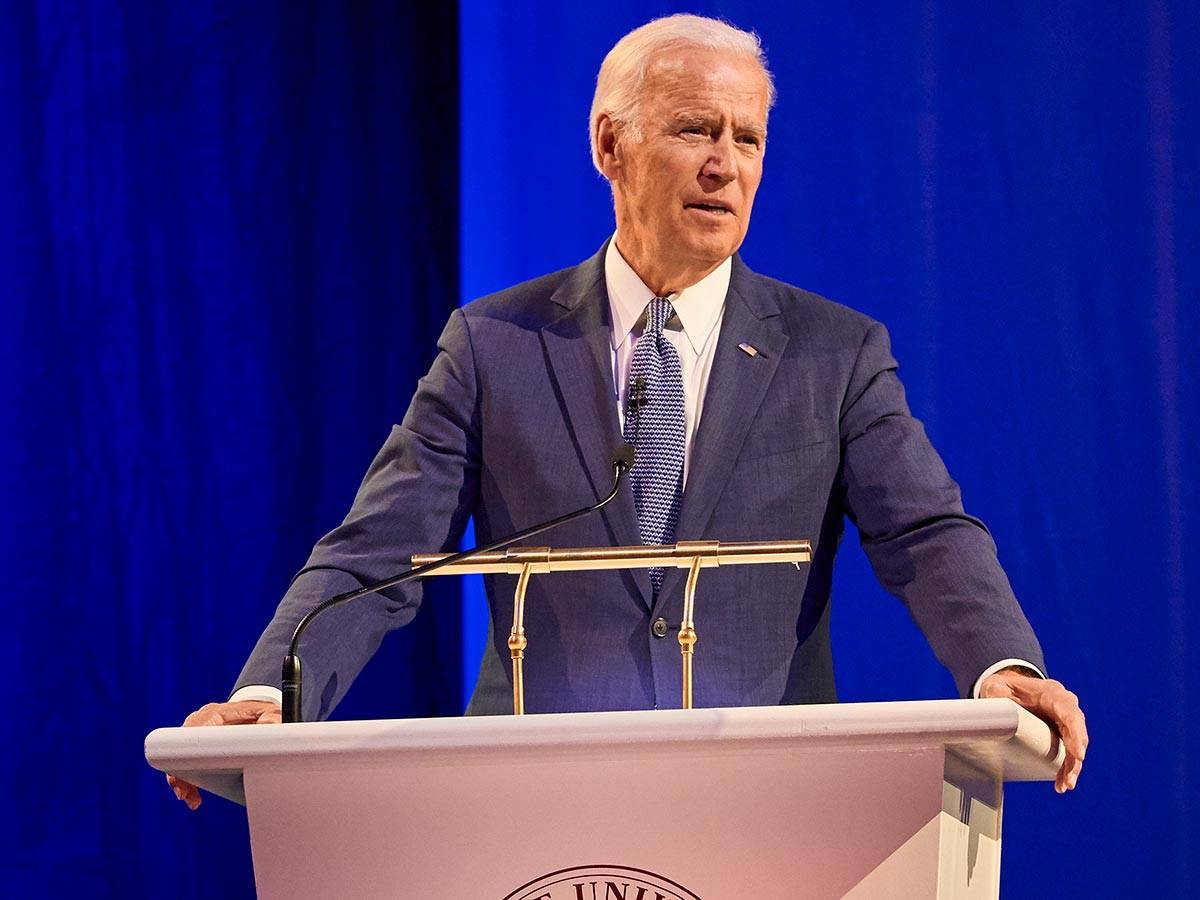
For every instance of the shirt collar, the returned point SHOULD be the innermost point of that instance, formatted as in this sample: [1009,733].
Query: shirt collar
[698,307]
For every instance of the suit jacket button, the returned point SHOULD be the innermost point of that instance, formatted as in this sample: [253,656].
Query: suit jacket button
[660,627]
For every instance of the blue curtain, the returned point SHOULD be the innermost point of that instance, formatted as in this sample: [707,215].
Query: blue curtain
[228,241]
[1012,188]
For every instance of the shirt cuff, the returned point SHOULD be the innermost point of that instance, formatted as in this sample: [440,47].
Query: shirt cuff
[990,670]
[258,692]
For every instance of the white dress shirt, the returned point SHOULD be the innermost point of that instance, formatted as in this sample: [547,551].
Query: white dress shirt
[693,331]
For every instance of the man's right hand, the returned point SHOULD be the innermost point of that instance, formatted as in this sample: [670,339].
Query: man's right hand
[243,712]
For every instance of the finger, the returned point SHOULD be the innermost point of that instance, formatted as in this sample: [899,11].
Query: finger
[214,714]
[1063,780]
[995,687]
[1069,720]
[1078,726]
[238,713]
[1064,713]
[184,791]
[241,712]
[1073,777]
[1054,704]
[189,796]
[1068,774]
[1074,734]
[205,715]
[272,716]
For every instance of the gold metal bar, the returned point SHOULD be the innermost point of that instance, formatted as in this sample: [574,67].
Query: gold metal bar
[517,642]
[687,629]
[692,555]
[681,555]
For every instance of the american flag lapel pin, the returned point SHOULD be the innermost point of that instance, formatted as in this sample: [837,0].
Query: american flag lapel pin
[748,349]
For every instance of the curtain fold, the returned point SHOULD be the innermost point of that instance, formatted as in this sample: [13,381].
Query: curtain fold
[228,242]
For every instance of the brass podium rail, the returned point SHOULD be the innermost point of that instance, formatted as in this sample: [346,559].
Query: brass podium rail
[525,562]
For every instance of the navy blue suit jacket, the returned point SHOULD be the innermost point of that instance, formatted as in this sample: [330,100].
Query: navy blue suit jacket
[516,422]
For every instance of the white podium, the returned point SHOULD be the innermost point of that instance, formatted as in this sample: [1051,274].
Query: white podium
[848,800]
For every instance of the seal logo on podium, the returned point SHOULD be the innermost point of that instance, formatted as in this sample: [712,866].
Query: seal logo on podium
[601,883]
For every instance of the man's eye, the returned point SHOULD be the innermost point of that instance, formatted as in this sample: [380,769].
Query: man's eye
[692,129]
[748,139]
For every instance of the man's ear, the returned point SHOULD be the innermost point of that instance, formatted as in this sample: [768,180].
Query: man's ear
[608,158]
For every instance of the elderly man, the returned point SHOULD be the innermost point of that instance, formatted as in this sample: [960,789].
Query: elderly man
[761,412]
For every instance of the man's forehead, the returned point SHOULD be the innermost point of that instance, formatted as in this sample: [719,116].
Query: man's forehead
[697,79]
[703,66]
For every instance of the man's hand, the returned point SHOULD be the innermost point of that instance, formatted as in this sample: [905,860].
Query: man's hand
[1050,701]
[244,712]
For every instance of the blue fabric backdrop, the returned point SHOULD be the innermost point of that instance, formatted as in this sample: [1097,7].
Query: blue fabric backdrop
[1012,188]
[228,241]
[229,234]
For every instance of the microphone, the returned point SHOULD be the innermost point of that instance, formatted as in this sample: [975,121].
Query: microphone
[623,457]
[622,461]
[636,401]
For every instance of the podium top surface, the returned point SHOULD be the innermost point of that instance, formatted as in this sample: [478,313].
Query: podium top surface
[995,736]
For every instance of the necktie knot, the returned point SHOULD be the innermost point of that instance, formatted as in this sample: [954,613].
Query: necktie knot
[658,313]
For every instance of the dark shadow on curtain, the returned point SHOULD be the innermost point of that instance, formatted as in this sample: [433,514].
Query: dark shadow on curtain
[228,241]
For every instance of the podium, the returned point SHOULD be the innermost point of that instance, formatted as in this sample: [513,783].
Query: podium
[844,800]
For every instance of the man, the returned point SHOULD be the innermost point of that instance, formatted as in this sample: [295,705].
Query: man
[759,412]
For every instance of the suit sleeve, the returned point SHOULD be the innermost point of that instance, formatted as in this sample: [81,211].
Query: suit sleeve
[923,547]
[416,497]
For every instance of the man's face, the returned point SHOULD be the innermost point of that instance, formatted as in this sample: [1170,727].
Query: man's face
[683,193]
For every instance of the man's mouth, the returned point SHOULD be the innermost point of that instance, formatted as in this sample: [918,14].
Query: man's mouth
[716,209]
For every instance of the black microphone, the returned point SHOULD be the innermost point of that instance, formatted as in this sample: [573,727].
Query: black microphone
[634,403]
[622,460]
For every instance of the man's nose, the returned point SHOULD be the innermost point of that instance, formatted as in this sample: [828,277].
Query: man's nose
[720,166]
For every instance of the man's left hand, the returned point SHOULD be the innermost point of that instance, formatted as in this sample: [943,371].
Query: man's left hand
[1050,701]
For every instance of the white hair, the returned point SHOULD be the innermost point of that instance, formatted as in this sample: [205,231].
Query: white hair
[619,84]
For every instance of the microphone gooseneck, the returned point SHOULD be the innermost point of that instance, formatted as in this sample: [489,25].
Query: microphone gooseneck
[622,460]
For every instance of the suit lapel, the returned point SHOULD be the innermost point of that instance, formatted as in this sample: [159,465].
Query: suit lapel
[736,386]
[578,346]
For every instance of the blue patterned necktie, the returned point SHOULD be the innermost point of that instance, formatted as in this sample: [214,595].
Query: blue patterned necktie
[656,428]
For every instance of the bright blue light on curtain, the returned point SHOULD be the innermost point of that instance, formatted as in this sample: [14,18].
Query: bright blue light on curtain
[1011,189]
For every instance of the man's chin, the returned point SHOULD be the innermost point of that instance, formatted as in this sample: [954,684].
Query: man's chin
[713,248]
